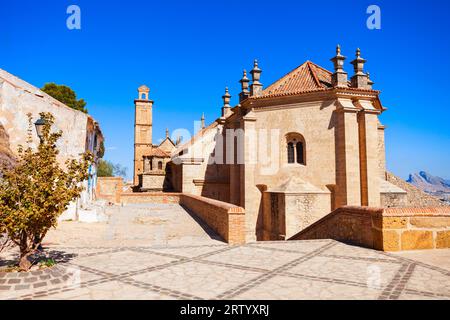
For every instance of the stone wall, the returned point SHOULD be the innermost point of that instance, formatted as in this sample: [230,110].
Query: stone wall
[226,219]
[412,229]
[17,98]
[149,197]
[6,155]
[390,229]
[79,130]
[415,197]
[393,199]
[109,188]
[153,181]
[347,224]
[284,214]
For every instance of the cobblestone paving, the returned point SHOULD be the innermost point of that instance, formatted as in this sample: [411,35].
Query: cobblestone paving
[317,269]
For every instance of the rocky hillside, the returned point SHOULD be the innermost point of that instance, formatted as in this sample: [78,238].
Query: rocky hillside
[415,196]
[430,184]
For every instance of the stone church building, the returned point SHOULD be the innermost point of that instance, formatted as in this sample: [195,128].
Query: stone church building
[289,153]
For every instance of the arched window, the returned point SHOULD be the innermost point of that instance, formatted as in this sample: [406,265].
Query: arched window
[300,154]
[160,165]
[296,152]
[290,152]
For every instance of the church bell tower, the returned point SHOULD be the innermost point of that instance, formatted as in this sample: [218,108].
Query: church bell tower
[142,130]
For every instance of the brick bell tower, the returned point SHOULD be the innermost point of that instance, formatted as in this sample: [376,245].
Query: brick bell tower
[142,130]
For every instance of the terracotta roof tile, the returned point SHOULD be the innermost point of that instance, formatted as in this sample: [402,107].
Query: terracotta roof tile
[157,152]
[306,78]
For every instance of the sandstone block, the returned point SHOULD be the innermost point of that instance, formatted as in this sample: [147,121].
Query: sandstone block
[443,239]
[430,222]
[416,240]
[390,222]
[386,240]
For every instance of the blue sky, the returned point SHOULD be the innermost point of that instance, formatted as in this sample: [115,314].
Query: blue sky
[188,51]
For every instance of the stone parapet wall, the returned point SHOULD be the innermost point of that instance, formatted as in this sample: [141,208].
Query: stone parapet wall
[412,228]
[346,224]
[226,219]
[390,229]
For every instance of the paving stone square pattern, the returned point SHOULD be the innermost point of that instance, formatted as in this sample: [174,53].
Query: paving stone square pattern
[134,267]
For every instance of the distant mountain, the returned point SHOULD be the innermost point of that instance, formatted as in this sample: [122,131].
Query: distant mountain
[433,185]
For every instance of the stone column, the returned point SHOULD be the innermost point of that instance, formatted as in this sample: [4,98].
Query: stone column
[381,151]
[250,194]
[369,156]
[233,142]
[348,181]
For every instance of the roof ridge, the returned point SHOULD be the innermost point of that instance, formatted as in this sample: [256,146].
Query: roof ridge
[166,138]
[322,68]
[292,71]
[313,73]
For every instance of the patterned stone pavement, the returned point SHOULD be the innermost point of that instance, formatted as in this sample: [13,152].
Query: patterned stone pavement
[317,269]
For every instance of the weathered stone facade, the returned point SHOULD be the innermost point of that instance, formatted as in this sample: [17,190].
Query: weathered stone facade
[80,131]
[328,136]
[289,154]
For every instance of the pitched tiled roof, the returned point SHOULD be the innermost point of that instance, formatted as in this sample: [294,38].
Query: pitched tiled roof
[157,152]
[308,77]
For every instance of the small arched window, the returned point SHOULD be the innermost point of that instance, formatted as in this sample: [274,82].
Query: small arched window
[300,153]
[296,152]
[160,165]
[290,152]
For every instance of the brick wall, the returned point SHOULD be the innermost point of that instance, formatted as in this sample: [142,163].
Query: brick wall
[147,197]
[390,229]
[109,188]
[226,219]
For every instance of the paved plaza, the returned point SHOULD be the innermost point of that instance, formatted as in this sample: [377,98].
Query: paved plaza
[163,252]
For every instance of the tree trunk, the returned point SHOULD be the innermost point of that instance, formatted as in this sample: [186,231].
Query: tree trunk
[24,263]
[25,252]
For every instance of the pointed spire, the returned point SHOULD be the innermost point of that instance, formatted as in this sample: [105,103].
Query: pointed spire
[339,77]
[359,79]
[244,87]
[256,87]
[167,133]
[203,120]
[226,103]
[370,83]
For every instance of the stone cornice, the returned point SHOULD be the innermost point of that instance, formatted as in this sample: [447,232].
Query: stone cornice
[143,101]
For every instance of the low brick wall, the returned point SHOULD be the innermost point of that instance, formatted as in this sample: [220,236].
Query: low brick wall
[109,188]
[149,197]
[390,229]
[224,218]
